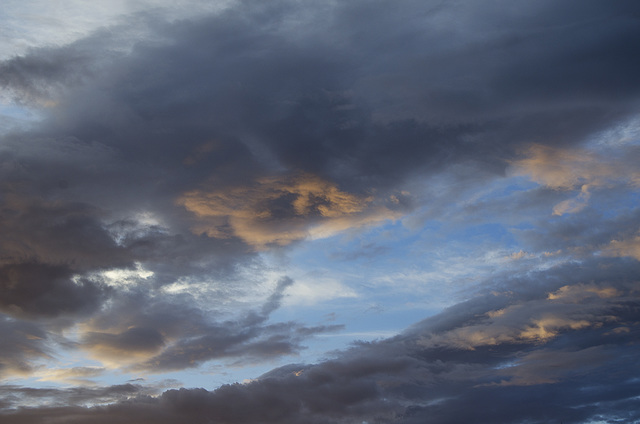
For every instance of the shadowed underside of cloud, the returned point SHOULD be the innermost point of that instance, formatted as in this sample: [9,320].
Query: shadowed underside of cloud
[22,343]
[164,336]
[14,396]
[33,289]
[560,345]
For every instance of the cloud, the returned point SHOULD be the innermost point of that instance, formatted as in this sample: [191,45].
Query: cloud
[34,79]
[625,247]
[123,347]
[23,345]
[136,332]
[75,375]
[42,290]
[170,154]
[312,290]
[355,112]
[586,169]
[565,169]
[580,292]
[573,205]
[13,397]
[406,380]
[279,210]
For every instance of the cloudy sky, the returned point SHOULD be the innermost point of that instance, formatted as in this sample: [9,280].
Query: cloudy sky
[308,211]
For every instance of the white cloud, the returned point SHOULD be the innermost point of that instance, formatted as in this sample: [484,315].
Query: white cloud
[124,277]
[309,291]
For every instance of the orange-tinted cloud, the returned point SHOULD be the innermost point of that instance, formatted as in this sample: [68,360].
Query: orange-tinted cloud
[579,292]
[563,169]
[626,247]
[75,375]
[123,348]
[570,308]
[575,169]
[279,210]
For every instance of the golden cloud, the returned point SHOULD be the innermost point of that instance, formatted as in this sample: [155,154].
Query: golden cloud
[579,292]
[536,321]
[75,375]
[627,247]
[279,210]
[571,169]
[116,349]
[562,168]
[549,327]
[501,330]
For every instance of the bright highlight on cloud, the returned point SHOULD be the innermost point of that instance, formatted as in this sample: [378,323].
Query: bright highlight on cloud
[77,375]
[583,169]
[279,210]
[626,247]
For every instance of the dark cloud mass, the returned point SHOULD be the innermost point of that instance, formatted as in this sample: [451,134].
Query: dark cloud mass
[170,157]
[47,290]
[562,351]
[22,342]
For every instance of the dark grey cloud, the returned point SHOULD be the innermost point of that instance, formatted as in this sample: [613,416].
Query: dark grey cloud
[236,343]
[580,373]
[452,83]
[167,334]
[15,397]
[36,289]
[23,343]
[132,340]
[32,78]
[366,103]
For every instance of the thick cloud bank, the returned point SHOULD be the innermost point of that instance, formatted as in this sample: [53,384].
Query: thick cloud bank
[552,348]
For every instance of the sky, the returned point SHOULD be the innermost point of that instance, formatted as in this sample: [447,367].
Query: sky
[335,211]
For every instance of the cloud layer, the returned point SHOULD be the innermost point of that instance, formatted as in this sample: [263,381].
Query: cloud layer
[572,351]
[175,177]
